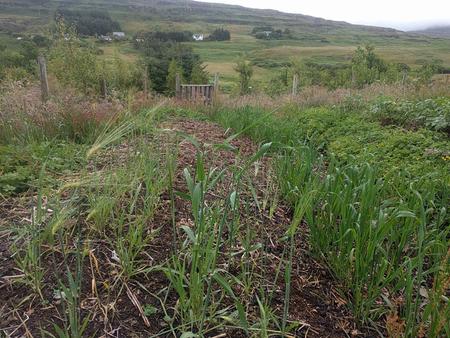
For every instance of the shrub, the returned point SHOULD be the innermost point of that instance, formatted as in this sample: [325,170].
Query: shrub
[433,114]
[219,34]
[245,71]
[158,56]
[366,68]
[76,64]
[88,22]
[199,74]
[18,64]
[174,70]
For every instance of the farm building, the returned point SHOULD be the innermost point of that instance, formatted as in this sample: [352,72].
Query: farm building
[118,35]
[198,37]
[105,38]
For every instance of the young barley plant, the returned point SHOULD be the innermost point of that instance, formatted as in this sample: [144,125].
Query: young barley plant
[189,271]
[28,248]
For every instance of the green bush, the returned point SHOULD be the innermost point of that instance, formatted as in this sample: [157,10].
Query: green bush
[75,63]
[433,114]
[88,22]
[19,63]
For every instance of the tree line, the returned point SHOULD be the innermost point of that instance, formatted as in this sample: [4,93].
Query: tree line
[88,22]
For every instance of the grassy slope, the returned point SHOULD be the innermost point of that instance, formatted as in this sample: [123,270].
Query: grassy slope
[323,41]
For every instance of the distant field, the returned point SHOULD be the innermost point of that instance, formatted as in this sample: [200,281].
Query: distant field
[124,50]
[219,55]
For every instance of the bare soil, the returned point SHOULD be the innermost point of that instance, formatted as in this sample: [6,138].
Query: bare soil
[110,302]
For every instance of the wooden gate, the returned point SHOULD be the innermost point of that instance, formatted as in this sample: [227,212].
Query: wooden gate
[198,93]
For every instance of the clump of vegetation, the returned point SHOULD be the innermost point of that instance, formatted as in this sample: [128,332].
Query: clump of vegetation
[433,114]
[174,70]
[379,237]
[199,74]
[171,36]
[88,22]
[78,65]
[219,34]
[270,33]
[279,84]
[18,63]
[161,51]
[245,70]
[366,68]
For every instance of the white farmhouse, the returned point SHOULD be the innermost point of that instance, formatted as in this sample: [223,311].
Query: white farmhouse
[118,35]
[105,38]
[198,37]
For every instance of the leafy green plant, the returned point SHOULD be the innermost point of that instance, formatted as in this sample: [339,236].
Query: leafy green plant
[433,114]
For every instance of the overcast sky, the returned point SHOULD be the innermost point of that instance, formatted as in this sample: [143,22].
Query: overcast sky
[400,14]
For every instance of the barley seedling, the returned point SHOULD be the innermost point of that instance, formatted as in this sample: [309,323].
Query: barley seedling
[69,292]
[303,206]
[74,325]
[28,256]
[131,239]
[189,274]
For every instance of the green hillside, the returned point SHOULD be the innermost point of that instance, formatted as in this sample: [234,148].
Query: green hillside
[313,39]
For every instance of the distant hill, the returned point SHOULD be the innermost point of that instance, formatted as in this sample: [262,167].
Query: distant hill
[437,31]
[186,11]
[312,39]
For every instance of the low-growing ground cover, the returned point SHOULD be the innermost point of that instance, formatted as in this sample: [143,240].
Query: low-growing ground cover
[433,114]
[378,208]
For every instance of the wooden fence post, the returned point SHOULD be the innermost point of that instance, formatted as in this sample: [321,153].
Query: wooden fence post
[353,78]
[216,87]
[178,86]
[103,89]
[216,82]
[295,85]
[146,82]
[404,77]
[43,77]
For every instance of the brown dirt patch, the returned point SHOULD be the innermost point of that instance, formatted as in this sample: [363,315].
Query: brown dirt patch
[315,303]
